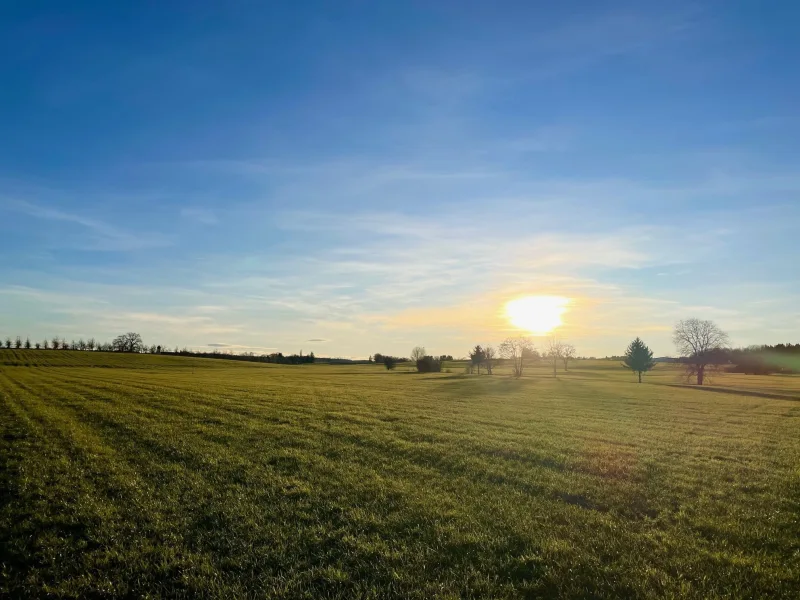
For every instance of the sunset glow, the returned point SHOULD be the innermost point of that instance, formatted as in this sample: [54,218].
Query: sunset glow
[538,315]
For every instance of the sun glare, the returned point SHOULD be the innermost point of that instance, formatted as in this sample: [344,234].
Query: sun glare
[537,314]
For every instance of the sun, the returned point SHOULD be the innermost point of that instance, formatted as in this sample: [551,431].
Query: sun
[537,314]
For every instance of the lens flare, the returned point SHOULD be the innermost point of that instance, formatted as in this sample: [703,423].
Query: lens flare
[537,314]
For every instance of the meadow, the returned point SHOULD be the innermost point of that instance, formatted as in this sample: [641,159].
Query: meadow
[156,476]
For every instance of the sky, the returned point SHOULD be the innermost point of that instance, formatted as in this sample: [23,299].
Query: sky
[356,177]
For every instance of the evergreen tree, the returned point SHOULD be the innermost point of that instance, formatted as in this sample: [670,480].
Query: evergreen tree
[477,357]
[638,358]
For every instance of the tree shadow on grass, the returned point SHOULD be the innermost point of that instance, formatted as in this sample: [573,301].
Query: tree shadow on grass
[734,391]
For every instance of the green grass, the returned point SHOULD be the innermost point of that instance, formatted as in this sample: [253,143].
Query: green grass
[171,477]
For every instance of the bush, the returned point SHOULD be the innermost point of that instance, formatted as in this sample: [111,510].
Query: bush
[429,364]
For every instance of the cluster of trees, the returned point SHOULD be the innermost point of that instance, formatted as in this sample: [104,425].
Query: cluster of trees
[380,359]
[520,352]
[765,360]
[701,345]
[424,362]
[703,348]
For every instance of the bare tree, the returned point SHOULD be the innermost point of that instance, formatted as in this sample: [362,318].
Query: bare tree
[567,354]
[489,357]
[555,350]
[8,342]
[18,343]
[128,342]
[699,343]
[27,343]
[516,349]
[56,342]
[81,344]
[90,344]
[418,353]
[45,344]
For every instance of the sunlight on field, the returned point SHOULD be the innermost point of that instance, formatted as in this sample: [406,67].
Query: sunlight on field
[202,478]
[538,315]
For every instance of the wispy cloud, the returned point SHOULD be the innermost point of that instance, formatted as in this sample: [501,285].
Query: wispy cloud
[102,236]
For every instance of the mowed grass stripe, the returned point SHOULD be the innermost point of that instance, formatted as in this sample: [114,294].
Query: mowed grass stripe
[88,511]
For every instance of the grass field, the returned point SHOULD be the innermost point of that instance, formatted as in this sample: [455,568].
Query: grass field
[173,477]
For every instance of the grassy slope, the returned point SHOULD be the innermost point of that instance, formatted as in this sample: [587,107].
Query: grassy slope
[240,479]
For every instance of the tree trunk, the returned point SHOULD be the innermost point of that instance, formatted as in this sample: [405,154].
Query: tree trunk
[555,367]
[700,373]
[640,377]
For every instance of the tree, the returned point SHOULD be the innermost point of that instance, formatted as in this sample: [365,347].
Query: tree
[8,342]
[638,358]
[81,344]
[128,342]
[45,344]
[700,343]
[489,357]
[27,343]
[389,362]
[418,353]
[555,350]
[477,357]
[90,344]
[38,345]
[567,354]
[517,350]
[18,343]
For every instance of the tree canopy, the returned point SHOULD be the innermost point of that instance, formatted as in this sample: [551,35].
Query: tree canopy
[638,358]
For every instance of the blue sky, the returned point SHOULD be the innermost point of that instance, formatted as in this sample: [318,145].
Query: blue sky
[354,177]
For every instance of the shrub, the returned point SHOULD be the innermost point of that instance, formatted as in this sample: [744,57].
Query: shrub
[429,364]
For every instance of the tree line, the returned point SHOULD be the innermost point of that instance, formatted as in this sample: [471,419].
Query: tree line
[126,342]
[132,342]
